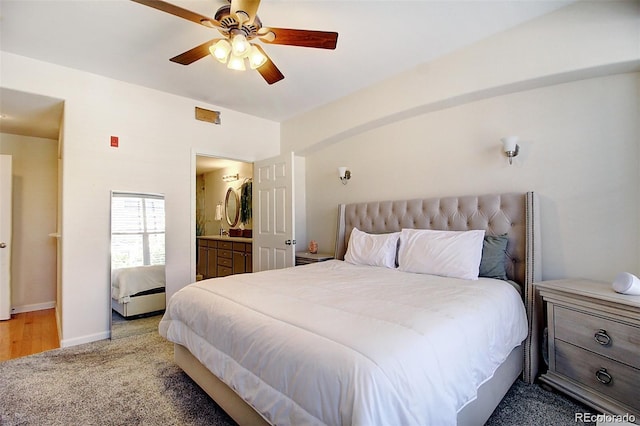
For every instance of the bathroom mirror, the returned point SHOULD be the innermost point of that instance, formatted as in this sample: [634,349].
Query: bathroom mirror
[137,257]
[232,207]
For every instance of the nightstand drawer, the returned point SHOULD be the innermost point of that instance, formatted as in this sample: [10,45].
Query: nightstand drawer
[592,370]
[603,336]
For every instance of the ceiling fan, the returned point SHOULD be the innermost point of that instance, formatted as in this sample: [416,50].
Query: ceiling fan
[240,26]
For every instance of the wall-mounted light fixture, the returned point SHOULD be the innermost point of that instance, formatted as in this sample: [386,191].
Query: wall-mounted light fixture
[511,147]
[230,178]
[344,175]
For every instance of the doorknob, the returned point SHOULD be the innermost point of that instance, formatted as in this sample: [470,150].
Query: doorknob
[3,245]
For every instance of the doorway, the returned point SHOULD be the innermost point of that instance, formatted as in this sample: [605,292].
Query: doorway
[30,134]
[222,198]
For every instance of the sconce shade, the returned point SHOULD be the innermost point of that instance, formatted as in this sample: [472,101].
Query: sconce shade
[510,146]
[344,174]
[509,143]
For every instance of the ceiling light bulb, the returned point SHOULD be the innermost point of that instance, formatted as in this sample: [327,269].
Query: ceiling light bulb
[256,58]
[221,50]
[239,45]
[236,63]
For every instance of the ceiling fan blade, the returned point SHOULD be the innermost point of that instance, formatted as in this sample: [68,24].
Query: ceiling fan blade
[303,38]
[250,7]
[268,70]
[192,55]
[180,12]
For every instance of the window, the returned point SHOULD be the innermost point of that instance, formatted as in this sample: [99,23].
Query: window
[137,230]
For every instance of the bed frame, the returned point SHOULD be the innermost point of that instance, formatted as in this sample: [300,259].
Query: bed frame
[142,304]
[515,214]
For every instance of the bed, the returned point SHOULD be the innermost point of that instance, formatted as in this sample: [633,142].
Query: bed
[138,290]
[344,343]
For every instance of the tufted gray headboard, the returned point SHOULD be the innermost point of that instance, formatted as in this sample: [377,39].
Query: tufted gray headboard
[515,214]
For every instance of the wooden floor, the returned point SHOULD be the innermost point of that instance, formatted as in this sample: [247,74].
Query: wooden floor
[28,333]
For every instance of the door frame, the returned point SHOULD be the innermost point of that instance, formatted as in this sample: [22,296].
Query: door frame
[192,210]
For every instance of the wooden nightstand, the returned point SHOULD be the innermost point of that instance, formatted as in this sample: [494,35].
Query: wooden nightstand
[304,258]
[594,344]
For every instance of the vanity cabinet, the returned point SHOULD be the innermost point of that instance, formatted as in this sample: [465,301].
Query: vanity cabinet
[219,257]
[207,258]
[234,258]
[225,258]
[242,260]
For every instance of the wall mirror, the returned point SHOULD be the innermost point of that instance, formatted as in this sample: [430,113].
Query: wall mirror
[232,207]
[137,258]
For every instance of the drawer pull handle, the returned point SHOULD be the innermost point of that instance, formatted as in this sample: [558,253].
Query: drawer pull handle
[602,337]
[603,377]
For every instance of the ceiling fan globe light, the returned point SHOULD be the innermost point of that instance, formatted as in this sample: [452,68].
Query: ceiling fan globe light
[239,45]
[221,50]
[256,58]
[236,63]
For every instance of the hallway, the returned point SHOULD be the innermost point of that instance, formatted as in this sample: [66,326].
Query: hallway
[28,333]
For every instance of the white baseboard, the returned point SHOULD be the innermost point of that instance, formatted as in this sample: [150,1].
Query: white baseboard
[34,307]
[65,343]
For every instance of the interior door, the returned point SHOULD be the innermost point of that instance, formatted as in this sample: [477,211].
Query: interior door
[273,204]
[6,180]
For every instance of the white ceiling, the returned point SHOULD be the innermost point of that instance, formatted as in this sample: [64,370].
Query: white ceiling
[127,41]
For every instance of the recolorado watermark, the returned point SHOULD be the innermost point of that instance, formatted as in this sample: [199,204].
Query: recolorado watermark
[604,418]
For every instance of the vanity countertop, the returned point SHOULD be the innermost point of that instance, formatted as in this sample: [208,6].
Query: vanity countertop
[226,238]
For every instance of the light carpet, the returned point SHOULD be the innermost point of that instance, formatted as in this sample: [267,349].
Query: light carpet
[132,380]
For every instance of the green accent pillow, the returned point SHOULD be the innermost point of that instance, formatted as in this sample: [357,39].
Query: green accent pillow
[494,253]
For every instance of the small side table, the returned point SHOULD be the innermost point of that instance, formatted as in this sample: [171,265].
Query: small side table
[304,258]
[594,344]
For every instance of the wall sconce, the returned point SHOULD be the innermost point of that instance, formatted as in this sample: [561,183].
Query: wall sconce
[344,175]
[511,147]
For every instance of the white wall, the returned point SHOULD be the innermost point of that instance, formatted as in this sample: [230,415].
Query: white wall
[35,197]
[579,152]
[158,140]
[579,41]
[436,131]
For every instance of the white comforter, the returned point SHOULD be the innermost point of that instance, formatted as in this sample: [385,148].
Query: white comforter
[126,282]
[336,343]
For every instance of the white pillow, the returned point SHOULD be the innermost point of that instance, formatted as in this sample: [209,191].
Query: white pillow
[372,249]
[454,254]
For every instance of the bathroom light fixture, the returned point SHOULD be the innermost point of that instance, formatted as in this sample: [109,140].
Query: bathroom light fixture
[230,178]
[344,174]
[511,147]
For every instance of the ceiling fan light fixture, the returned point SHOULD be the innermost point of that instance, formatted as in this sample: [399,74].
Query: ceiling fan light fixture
[221,50]
[256,58]
[239,45]
[236,63]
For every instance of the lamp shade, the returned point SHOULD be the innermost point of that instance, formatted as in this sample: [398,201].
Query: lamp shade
[256,58]
[509,143]
[236,63]
[221,50]
[240,46]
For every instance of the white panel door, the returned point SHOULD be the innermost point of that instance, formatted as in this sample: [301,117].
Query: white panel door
[6,180]
[273,203]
